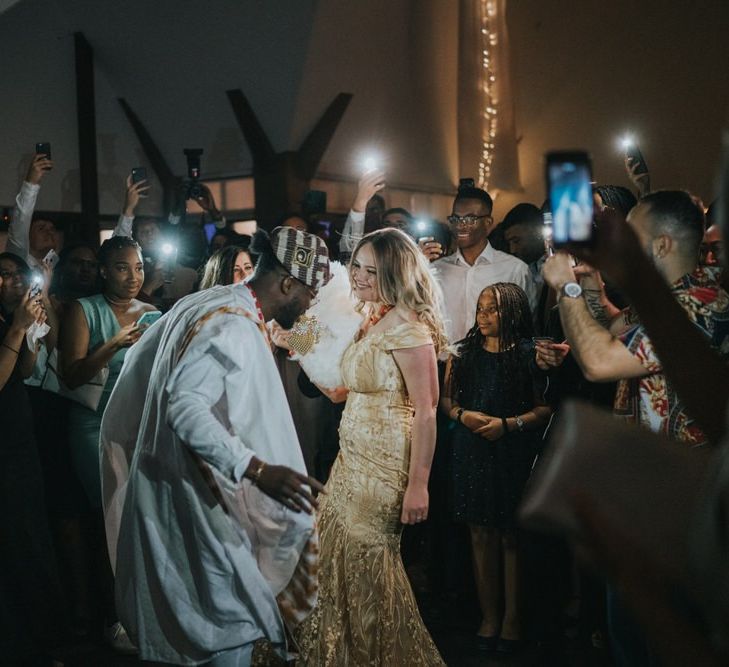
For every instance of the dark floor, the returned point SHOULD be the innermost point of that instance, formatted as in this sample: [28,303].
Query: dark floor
[456,644]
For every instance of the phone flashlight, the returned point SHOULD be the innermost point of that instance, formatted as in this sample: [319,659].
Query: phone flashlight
[626,142]
[421,225]
[167,249]
[369,163]
[36,283]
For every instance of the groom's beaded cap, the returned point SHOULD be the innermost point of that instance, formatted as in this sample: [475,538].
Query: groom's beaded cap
[303,255]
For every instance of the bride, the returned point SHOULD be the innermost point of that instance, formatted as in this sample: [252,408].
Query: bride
[367,614]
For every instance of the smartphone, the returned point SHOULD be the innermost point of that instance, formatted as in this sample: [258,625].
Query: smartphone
[51,259]
[36,284]
[542,339]
[569,188]
[148,319]
[139,174]
[43,148]
[633,153]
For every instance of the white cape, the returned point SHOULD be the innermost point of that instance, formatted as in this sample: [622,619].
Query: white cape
[198,563]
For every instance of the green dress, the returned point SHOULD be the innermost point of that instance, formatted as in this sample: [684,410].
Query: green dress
[84,424]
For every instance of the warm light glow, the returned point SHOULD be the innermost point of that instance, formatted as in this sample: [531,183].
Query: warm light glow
[370,163]
[488,79]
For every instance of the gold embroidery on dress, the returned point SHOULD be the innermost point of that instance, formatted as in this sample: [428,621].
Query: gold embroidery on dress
[367,614]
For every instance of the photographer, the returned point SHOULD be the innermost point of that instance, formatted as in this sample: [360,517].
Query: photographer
[28,238]
[28,578]
[669,226]
[367,210]
[165,281]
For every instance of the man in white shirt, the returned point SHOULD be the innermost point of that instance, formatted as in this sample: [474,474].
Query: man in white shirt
[476,264]
[28,238]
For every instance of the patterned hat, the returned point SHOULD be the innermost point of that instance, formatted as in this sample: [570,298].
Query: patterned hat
[303,255]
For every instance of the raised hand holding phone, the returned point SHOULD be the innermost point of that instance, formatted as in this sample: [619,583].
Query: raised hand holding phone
[369,185]
[38,168]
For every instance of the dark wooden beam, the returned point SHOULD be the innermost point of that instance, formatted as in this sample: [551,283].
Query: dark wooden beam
[282,179]
[152,152]
[313,148]
[261,149]
[86,117]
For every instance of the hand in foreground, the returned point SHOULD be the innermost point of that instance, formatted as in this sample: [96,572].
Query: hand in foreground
[336,395]
[415,504]
[30,310]
[493,430]
[133,193]
[644,586]
[279,335]
[551,355]
[289,487]
[558,271]
[431,249]
[642,182]
[370,184]
[206,201]
[473,420]
[126,336]
[38,168]
[616,251]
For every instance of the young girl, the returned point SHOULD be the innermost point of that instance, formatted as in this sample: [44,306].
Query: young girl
[492,393]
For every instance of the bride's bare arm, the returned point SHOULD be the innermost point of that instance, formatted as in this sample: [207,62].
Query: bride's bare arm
[420,372]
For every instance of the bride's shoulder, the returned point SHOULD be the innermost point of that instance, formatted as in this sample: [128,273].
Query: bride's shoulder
[402,315]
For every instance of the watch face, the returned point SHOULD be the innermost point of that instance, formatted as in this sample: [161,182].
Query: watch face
[572,290]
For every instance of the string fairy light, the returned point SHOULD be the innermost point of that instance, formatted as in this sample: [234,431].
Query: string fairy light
[487,84]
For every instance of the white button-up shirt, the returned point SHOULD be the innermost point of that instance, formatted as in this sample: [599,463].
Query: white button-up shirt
[462,283]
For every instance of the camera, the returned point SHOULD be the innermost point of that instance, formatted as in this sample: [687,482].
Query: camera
[194,188]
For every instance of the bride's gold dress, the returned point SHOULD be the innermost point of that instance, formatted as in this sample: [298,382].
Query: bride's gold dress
[366,613]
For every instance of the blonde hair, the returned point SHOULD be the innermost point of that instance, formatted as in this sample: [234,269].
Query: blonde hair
[404,279]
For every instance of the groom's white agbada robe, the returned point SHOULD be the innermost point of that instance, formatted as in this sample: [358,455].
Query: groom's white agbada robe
[199,564]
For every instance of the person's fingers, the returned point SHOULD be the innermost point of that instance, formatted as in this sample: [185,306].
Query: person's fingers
[301,492]
[289,503]
[129,181]
[313,483]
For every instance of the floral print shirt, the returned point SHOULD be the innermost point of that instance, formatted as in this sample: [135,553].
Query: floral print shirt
[650,400]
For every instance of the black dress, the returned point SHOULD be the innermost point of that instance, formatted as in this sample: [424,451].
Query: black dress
[29,586]
[488,478]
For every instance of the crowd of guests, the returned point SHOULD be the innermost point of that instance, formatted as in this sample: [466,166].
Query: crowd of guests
[527,329]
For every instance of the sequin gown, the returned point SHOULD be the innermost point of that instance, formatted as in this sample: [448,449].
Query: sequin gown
[367,614]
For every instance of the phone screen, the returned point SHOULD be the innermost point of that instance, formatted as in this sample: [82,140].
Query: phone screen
[43,148]
[149,318]
[633,152]
[569,177]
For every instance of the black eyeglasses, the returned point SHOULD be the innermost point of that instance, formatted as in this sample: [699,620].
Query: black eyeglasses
[466,220]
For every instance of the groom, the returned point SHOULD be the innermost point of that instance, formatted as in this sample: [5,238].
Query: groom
[206,500]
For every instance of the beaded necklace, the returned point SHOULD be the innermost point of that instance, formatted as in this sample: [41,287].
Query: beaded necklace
[376,317]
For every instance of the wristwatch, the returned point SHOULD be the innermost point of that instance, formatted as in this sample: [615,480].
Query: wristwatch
[571,290]
[519,421]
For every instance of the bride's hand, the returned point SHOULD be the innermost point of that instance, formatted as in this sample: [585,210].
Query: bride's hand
[415,504]
[336,395]
[279,335]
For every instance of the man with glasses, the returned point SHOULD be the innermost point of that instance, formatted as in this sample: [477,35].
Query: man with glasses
[475,264]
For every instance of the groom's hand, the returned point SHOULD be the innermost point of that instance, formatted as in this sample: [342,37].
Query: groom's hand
[289,487]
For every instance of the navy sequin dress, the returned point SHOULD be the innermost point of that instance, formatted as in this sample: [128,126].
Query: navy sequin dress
[488,478]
